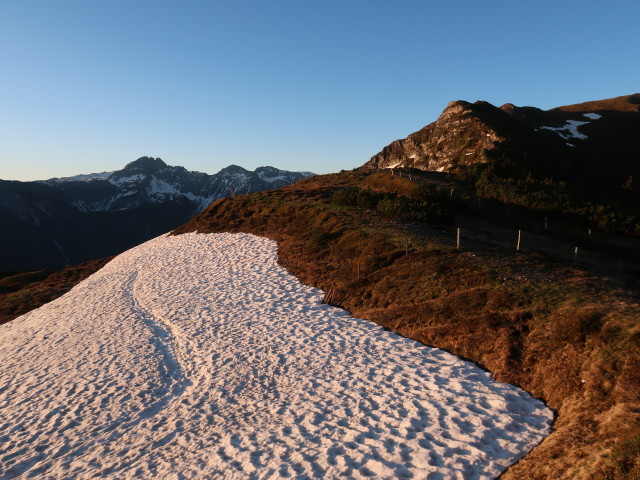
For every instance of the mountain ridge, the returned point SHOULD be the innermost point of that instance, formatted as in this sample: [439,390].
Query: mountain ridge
[565,142]
[60,221]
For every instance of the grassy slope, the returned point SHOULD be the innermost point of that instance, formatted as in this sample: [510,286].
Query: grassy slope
[568,336]
[23,292]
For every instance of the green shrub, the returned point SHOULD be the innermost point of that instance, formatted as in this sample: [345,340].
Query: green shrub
[550,196]
[427,191]
[411,209]
[624,462]
[428,203]
[355,197]
[345,196]
[319,237]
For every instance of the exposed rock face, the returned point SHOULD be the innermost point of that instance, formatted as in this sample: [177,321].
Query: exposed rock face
[457,137]
[555,142]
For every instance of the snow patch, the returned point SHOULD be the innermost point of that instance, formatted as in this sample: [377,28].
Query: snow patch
[265,178]
[131,178]
[84,177]
[569,130]
[199,356]
[592,116]
[160,188]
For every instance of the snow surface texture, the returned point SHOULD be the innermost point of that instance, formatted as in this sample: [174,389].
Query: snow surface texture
[199,356]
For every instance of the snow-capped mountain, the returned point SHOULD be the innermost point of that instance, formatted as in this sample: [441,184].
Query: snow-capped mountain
[63,221]
[150,180]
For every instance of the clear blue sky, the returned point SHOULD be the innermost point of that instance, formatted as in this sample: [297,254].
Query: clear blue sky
[88,86]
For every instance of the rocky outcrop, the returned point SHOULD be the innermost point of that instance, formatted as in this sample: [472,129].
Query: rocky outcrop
[458,137]
[563,143]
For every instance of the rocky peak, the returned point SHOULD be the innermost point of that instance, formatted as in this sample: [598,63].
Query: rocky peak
[233,169]
[144,165]
[558,143]
[460,136]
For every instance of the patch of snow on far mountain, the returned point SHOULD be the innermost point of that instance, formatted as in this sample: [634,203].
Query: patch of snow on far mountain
[84,177]
[158,189]
[129,179]
[569,130]
[268,179]
[157,186]
[592,116]
[198,356]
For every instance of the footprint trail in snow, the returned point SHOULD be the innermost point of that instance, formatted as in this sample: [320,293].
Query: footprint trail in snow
[199,356]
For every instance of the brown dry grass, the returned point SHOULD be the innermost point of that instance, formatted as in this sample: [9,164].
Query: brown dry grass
[568,336]
[24,292]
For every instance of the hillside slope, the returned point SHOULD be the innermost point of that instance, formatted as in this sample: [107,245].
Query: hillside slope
[593,143]
[568,335]
[220,364]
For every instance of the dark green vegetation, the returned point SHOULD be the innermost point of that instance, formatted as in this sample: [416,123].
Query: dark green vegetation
[424,202]
[12,281]
[568,333]
[611,210]
[579,161]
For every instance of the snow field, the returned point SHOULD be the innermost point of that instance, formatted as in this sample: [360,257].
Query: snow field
[199,356]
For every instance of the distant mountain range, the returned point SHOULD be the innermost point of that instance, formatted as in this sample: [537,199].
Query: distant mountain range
[60,221]
[594,145]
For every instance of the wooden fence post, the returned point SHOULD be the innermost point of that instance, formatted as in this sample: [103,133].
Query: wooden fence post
[458,239]
[518,244]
